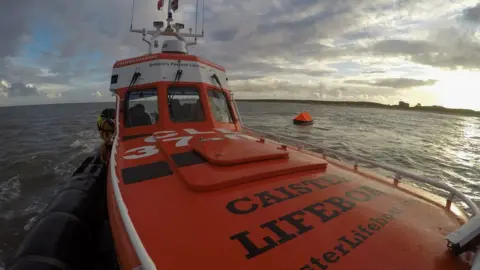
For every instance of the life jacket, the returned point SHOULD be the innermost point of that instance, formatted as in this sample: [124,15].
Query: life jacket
[106,129]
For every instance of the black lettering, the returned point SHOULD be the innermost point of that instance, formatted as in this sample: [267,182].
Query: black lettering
[315,183]
[358,195]
[250,246]
[268,199]
[350,243]
[297,222]
[231,206]
[285,191]
[319,210]
[344,205]
[372,191]
[362,229]
[300,189]
[380,221]
[284,237]
[317,263]
[359,235]
[335,180]
[306,267]
[373,227]
[330,257]
[342,249]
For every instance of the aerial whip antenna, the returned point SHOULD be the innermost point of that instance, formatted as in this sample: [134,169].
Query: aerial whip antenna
[133,9]
[203,15]
[196,18]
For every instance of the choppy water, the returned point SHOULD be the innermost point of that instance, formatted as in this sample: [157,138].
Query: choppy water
[40,145]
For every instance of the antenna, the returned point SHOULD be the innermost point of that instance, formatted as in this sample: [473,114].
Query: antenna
[173,30]
[133,9]
[203,15]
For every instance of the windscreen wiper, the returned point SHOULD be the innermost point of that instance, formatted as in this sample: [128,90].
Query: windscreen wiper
[214,76]
[178,75]
[135,77]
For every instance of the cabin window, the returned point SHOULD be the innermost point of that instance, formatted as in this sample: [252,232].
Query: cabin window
[184,104]
[141,108]
[219,106]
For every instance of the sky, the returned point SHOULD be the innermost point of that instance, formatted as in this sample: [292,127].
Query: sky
[428,52]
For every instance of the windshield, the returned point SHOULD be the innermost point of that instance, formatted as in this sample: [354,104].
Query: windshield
[184,104]
[142,108]
[219,106]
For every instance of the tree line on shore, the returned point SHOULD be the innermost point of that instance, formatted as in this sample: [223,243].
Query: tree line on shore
[401,105]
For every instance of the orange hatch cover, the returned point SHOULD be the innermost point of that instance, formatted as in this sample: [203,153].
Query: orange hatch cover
[236,159]
[233,152]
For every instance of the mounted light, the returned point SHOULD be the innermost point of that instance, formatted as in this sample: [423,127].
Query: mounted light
[158,24]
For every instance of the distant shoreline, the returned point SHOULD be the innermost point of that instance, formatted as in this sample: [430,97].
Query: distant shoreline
[363,104]
[434,109]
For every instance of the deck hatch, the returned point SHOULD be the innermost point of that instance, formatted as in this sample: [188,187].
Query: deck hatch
[187,159]
[234,152]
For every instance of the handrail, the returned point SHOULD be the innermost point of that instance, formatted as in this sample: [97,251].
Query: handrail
[399,173]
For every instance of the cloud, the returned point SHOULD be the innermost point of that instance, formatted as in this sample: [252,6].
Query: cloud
[398,83]
[447,48]
[404,47]
[18,89]
[97,94]
[65,49]
[472,14]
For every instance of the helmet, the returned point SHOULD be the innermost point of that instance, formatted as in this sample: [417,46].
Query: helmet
[106,129]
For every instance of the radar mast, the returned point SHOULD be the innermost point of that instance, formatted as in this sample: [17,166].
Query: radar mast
[181,44]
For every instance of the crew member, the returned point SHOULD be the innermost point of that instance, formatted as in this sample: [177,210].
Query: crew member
[106,128]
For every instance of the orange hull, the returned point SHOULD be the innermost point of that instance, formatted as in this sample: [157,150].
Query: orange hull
[310,219]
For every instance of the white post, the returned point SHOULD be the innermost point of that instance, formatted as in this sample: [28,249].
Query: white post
[169,13]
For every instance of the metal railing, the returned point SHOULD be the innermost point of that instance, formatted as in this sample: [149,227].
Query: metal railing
[399,173]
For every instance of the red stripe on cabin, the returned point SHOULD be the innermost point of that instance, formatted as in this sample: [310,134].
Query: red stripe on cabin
[165,56]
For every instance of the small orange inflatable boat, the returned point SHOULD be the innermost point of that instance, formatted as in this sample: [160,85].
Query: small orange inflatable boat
[303,118]
[189,187]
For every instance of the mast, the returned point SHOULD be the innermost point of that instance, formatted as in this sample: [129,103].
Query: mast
[171,29]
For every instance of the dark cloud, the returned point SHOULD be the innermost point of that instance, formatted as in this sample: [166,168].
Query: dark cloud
[404,47]
[259,70]
[472,14]
[21,90]
[447,48]
[224,35]
[13,25]
[373,72]
[397,83]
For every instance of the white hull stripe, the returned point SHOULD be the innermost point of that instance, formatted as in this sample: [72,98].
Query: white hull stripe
[165,70]
[146,261]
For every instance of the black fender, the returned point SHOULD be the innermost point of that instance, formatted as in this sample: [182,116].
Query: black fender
[68,232]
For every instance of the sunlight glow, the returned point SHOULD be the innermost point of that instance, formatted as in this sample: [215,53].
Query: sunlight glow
[457,89]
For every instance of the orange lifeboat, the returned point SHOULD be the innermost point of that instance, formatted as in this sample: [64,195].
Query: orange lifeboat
[189,187]
[303,118]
